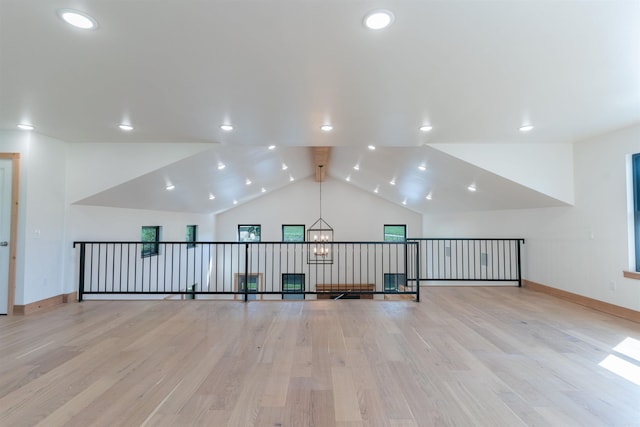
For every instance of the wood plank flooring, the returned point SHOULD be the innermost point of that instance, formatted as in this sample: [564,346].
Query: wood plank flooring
[461,357]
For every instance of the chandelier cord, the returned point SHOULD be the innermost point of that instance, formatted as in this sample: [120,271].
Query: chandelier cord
[320,166]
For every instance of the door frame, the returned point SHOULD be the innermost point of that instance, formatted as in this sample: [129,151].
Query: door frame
[13,233]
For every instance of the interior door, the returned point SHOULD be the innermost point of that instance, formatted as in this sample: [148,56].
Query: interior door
[5,230]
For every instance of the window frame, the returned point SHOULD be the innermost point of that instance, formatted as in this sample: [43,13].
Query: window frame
[297,292]
[635,178]
[293,225]
[150,247]
[258,227]
[384,232]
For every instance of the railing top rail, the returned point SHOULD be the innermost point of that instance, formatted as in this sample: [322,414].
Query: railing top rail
[521,239]
[334,242]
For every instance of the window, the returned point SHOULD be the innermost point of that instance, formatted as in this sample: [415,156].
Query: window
[292,286]
[251,282]
[293,233]
[393,281]
[635,168]
[150,233]
[395,233]
[191,236]
[248,233]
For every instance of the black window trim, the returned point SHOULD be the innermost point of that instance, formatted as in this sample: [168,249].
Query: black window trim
[150,248]
[259,226]
[191,243]
[394,225]
[304,230]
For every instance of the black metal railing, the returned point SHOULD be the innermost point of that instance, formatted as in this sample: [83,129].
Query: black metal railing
[240,270]
[468,259]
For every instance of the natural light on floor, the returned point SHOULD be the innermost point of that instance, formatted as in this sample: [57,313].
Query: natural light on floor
[629,367]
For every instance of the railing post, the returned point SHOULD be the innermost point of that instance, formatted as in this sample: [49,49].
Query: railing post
[246,272]
[417,271]
[519,264]
[81,273]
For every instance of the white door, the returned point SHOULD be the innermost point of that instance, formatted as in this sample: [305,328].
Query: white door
[5,229]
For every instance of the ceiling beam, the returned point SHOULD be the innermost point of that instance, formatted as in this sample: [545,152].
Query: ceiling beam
[321,158]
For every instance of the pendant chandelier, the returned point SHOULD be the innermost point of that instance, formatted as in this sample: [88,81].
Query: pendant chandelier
[320,235]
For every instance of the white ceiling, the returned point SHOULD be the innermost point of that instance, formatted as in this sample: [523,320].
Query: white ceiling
[444,177]
[278,69]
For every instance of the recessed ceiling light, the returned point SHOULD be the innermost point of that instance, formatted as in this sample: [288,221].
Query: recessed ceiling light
[25,126]
[375,190]
[378,19]
[235,202]
[263,190]
[272,147]
[78,19]
[221,166]
[356,167]
[326,128]
[526,128]
[170,187]
[290,178]
[404,202]
[226,127]
[125,127]
[371,147]
[393,181]
[211,197]
[429,196]
[422,167]
[426,128]
[284,167]
[472,188]
[348,178]
[248,181]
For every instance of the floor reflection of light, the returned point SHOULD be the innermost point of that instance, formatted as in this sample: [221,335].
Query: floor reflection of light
[630,371]
[630,347]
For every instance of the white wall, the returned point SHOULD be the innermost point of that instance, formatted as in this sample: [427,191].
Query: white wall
[102,223]
[94,223]
[581,249]
[355,215]
[41,219]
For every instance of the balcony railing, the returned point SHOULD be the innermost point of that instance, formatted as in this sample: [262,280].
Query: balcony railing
[246,271]
[470,260]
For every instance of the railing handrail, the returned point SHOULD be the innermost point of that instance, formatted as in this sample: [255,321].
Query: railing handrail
[520,239]
[132,242]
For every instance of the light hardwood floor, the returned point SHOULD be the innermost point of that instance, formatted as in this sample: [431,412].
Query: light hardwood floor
[461,357]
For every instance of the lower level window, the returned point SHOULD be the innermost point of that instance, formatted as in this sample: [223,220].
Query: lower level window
[394,281]
[292,286]
[249,283]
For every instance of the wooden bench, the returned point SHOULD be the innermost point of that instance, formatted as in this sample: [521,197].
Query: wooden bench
[334,290]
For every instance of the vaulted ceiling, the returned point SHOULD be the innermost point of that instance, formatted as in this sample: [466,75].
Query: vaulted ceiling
[474,71]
